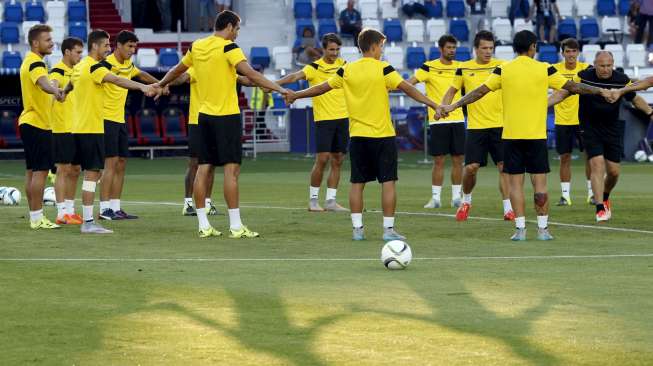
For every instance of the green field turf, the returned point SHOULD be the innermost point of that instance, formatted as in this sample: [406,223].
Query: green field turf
[305,294]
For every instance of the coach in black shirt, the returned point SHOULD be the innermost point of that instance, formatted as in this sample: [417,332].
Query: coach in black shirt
[602,130]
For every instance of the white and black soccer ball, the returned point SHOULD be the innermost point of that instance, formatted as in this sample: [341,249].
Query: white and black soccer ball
[640,156]
[11,196]
[650,158]
[2,193]
[49,197]
[396,254]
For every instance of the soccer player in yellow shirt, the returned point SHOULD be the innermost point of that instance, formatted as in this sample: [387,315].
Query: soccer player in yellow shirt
[484,123]
[567,125]
[447,135]
[89,77]
[331,123]
[525,83]
[216,59]
[116,133]
[34,121]
[63,143]
[373,149]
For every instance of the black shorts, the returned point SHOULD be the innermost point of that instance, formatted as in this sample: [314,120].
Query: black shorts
[63,148]
[116,139]
[447,138]
[565,138]
[373,159]
[604,140]
[220,140]
[525,156]
[38,147]
[480,142]
[89,150]
[332,135]
[193,140]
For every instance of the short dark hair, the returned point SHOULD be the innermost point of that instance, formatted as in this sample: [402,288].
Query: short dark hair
[483,35]
[70,43]
[225,18]
[95,37]
[330,38]
[523,41]
[126,36]
[36,31]
[369,37]
[447,38]
[571,43]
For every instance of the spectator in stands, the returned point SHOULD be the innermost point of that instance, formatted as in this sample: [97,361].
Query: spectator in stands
[223,5]
[307,48]
[546,13]
[410,7]
[206,15]
[477,6]
[351,21]
[518,9]
[632,18]
[644,17]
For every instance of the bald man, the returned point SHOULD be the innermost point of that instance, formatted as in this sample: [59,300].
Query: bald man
[602,130]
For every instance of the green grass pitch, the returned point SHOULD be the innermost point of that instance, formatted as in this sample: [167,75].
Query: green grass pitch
[154,293]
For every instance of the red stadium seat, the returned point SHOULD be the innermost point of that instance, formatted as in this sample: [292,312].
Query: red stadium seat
[173,126]
[148,130]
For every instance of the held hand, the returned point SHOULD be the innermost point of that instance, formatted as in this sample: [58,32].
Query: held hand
[59,95]
[443,111]
[289,97]
[152,90]
[166,90]
[611,95]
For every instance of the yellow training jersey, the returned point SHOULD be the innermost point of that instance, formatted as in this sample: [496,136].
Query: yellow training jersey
[566,112]
[36,102]
[438,78]
[61,117]
[115,96]
[365,83]
[214,59]
[331,105]
[525,83]
[194,104]
[88,95]
[487,112]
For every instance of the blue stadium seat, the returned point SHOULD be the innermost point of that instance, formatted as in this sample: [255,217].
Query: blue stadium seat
[168,57]
[76,11]
[459,29]
[11,59]
[78,29]
[624,6]
[9,33]
[148,131]
[9,130]
[300,24]
[434,10]
[260,56]
[434,53]
[415,57]
[463,54]
[173,127]
[606,8]
[325,26]
[34,11]
[392,29]
[303,9]
[589,28]
[455,9]
[13,12]
[567,29]
[548,53]
[324,9]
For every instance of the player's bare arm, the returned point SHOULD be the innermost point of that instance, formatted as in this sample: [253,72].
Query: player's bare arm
[291,78]
[313,91]
[448,96]
[257,78]
[173,74]
[44,83]
[148,90]
[581,88]
[183,79]
[557,97]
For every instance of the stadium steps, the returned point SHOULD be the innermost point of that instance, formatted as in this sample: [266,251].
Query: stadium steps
[104,15]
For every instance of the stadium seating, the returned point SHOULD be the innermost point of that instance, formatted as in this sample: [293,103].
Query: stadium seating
[9,135]
[349,54]
[567,29]
[434,10]
[548,53]
[324,9]
[504,52]
[260,56]
[434,53]
[78,29]
[589,29]
[282,56]
[606,7]
[589,51]
[499,8]
[435,28]
[636,54]
[146,57]
[173,127]
[566,8]
[13,12]
[414,30]
[369,9]
[9,33]
[372,23]
[611,27]
[395,56]
[463,54]
[303,9]
[34,11]
[56,11]
[415,57]
[617,51]
[76,11]
[455,9]
[25,26]
[148,131]
[58,32]
[585,7]
[393,30]
[168,57]
[502,29]
[302,24]
[388,11]
[459,29]
[624,6]
[325,26]
[522,24]
[11,59]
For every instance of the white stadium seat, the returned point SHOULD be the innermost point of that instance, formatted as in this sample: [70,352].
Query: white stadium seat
[504,52]
[499,8]
[350,54]
[502,29]
[372,23]
[341,5]
[58,33]
[56,12]
[369,9]
[589,50]
[282,56]
[388,11]
[146,57]
[617,52]
[395,56]
[436,28]
[26,25]
[414,29]
[521,24]
[585,7]
[636,54]
[610,23]
[566,7]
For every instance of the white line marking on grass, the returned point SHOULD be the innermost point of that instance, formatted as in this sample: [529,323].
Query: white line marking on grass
[526,257]
[580,226]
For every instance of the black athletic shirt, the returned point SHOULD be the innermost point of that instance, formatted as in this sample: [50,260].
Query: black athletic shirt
[595,109]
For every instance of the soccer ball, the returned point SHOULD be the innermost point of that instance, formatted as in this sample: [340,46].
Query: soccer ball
[396,254]
[650,158]
[640,156]
[11,196]
[49,198]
